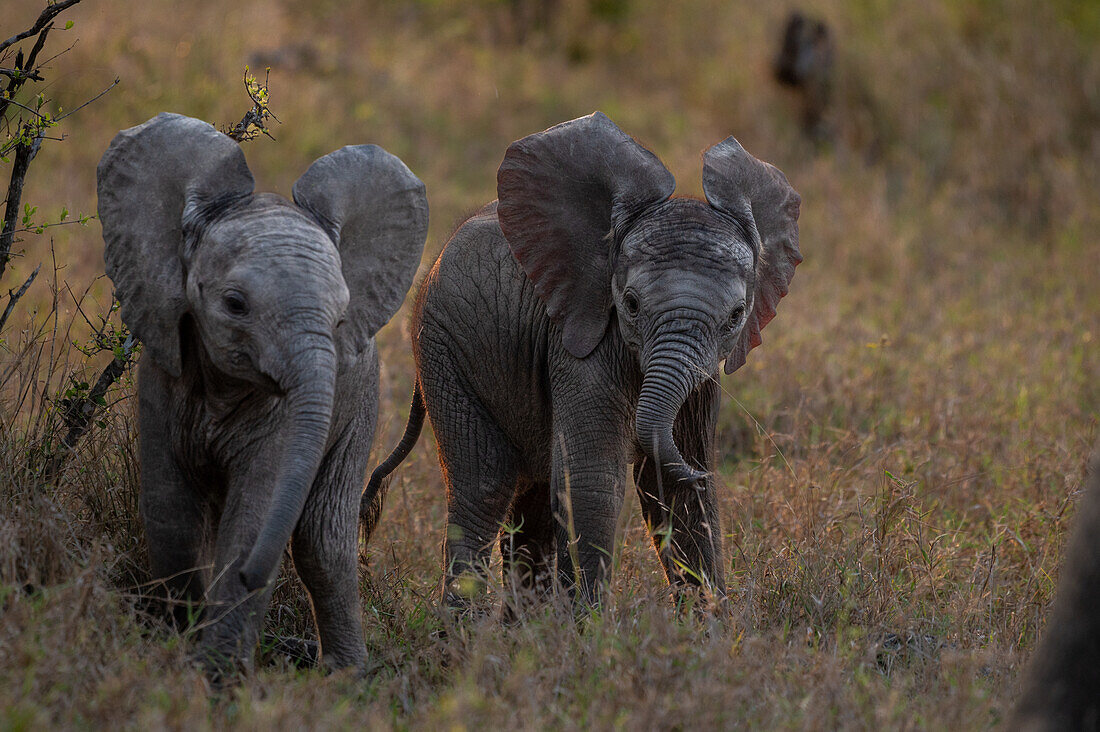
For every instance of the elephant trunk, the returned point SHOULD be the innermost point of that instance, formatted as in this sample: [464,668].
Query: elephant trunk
[309,401]
[672,372]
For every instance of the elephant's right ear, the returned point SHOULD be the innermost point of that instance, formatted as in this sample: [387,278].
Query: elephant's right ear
[562,194]
[149,176]
[759,195]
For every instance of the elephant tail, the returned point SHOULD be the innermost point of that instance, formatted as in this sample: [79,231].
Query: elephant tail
[370,505]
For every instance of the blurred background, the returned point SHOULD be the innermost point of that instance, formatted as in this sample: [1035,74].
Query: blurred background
[901,457]
[986,111]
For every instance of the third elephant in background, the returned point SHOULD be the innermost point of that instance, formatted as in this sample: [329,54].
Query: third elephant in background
[575,327]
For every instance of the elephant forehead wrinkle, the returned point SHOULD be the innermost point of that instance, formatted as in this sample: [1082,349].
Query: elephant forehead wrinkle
[269,222]
[711,241]
[687,212]
[295,235]
[291,258]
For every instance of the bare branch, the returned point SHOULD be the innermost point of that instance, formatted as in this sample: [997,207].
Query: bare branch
[58,54]
[24,154]
[13,297]
[48,14]
[22,106]
[15,83]
[71,112]
[38,44]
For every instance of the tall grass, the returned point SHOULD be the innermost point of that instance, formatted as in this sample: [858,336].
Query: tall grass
[899,460]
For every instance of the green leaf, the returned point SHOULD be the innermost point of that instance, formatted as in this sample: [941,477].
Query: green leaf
[68,25]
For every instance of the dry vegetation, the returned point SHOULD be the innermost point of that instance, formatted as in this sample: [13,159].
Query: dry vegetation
[901,458]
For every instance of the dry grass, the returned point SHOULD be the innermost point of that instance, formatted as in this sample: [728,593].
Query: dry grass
[901,458]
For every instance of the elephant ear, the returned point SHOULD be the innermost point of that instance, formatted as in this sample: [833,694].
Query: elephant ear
[376,211]
[563,193]
[148,178]
[758,195]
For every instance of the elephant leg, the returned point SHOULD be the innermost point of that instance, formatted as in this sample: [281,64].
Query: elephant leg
[527,543]
[585,510]
[175,516]
[234,615]
[587,484]
[176,522]
[684,522]
[325,546]
[480,469]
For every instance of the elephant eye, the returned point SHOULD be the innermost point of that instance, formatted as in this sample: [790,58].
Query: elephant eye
[235,303]
[736,316]
[630,302]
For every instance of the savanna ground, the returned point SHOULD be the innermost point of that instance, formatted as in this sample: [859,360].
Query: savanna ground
[900,460]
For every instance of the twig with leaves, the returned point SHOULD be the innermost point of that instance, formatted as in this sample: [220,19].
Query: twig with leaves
[254,122]
[81,403]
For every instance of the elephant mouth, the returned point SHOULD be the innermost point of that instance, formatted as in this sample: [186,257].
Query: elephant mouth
[253,380]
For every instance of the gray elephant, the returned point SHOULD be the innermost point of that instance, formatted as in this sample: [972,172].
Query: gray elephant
[576,326]
[258,388]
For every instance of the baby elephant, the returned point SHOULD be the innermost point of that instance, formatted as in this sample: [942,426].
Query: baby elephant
[258,389]
[576,326]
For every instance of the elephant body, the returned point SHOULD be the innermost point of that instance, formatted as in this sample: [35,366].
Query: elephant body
[205,445]
[258,387]
[525,418]
[575,327]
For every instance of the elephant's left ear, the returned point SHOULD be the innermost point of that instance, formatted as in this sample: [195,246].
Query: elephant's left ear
[757,194]
[376,211]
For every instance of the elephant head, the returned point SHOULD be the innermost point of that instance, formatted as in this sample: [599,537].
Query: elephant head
[280,294]
[589,215]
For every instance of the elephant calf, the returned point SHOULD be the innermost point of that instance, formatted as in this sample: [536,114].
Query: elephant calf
[258,389]
[576,326]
